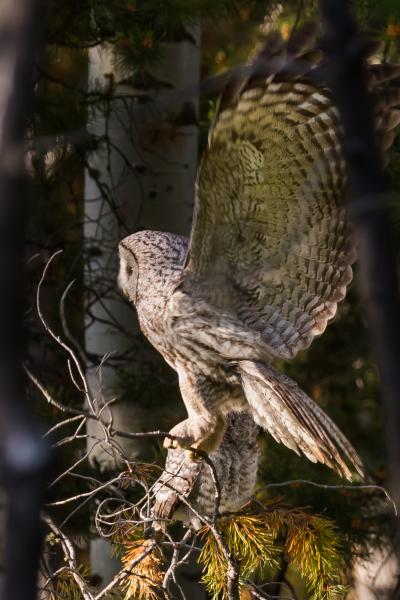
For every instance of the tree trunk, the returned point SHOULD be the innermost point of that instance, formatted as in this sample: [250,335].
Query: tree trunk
[23,454]
[142,176]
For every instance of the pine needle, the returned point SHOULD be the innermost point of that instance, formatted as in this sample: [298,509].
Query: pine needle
[250,543]
[310,543]
[146,577]
[312,546]
[214,564]
[66,587]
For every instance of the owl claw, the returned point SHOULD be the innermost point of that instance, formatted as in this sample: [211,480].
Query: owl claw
[202,433]
[174,444]
[193,455]
[170,444]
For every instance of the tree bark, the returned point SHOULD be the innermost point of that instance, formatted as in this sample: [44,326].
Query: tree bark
[143,178]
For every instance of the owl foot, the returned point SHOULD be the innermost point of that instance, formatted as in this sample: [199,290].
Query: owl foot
[197,432]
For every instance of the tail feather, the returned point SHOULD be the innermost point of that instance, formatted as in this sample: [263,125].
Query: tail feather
[279,406]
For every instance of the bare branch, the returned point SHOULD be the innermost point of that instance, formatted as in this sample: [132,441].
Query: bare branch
[70,557]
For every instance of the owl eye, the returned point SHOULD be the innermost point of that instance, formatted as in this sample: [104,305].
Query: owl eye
[129,271]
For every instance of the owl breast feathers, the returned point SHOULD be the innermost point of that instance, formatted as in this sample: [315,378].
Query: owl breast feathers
[268,260]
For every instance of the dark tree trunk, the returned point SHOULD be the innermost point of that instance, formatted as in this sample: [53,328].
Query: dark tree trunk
[23,456]
[369,206]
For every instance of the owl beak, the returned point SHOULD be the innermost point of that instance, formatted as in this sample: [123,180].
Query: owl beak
[125,292]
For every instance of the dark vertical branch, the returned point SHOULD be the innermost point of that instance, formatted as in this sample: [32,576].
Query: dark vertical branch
[275,588]
[23,456]
[369,206]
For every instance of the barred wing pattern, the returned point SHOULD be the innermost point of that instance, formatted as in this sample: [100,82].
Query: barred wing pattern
[270,242]
[294,419]
[269,258]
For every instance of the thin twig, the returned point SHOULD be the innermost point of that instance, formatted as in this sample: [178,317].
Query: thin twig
[70,556]
[326,486]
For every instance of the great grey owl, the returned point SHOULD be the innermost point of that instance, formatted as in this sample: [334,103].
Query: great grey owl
[268,260]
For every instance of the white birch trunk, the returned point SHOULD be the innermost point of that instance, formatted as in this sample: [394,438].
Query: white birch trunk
[149,174]
[376,576]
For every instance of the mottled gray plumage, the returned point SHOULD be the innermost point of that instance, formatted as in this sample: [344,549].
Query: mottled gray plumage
[235,462]
[268,260]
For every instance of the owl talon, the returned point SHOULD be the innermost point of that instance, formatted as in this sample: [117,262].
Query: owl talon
[192,455]
[202,433]
[170,444]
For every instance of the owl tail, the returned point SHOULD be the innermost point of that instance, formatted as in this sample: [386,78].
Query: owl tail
[280,407]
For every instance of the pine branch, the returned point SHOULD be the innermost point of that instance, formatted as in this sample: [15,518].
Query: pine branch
[272,540]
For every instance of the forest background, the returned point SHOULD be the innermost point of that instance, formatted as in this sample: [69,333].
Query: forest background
[112,148]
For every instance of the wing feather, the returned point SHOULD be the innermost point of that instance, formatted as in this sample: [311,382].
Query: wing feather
[270,242]
[284,410]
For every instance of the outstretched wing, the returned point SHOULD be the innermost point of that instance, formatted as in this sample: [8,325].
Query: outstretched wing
[270,242]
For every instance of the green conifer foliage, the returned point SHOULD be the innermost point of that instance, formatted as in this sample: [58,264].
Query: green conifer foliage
[310,543]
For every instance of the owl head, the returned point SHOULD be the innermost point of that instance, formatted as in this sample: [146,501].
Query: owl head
[150,262]
[128,268]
